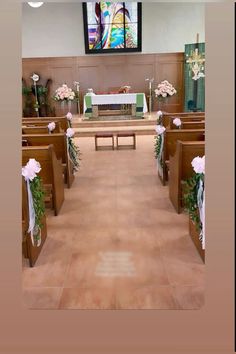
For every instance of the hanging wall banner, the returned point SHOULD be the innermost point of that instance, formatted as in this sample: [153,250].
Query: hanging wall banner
[194,77]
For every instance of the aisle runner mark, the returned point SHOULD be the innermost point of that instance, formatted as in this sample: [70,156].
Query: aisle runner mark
[115,264]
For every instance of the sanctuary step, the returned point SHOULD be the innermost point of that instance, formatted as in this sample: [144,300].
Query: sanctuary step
[78,123]
[92,131]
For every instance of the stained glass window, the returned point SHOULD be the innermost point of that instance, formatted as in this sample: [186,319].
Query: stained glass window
[112,26]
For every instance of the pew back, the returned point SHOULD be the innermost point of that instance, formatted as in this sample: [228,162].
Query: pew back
[186,116]
[189,125]
[51,171]
[61,120]
[180,168]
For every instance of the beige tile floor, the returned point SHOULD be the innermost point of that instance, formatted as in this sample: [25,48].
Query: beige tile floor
[117,243]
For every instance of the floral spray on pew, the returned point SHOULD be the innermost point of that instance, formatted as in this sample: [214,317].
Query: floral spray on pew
[73,150]
[194,196]
[158,147]
[35,200]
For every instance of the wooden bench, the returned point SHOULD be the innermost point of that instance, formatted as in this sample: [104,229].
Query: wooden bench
[64,124]
[180,168]
[51,172]
[166,117]
[28,249]
[40,128]
[170,138]
[126,134]
[103,135]
[198,124]
[59,141]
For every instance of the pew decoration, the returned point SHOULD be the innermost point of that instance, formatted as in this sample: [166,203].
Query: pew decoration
[177,122]
[159,117]
[69,117]
[159,143]
[194,197]
[51,127]
[73,150]
[35,200]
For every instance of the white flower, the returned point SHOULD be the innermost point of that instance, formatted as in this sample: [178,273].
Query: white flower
[70,133]
[177,122]
[69,116]
[51,126]
[30,170]
[159,114]
[160,129]
[198,164]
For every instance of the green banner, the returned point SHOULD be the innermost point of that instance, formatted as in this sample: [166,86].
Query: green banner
[194,77]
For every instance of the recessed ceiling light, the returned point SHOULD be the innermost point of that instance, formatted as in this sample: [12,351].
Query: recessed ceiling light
[35,4]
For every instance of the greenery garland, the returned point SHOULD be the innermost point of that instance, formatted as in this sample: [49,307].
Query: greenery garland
[38,203]
[74,154]
[190,199]
[157,147]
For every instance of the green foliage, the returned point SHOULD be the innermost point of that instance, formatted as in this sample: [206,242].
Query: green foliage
[42,90]
[190,188]
[38,202]
[26,91]
[74,153]
[157,145]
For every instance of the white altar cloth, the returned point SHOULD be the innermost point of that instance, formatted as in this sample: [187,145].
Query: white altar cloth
[120,98]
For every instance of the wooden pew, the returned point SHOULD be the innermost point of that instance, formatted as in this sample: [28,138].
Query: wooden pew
[40,124]
[62,120]
[59,141]
[170,138]
[51,172]
[189,125]
[165,119]
[180,168]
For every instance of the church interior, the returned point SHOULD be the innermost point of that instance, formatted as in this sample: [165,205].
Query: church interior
[113,155]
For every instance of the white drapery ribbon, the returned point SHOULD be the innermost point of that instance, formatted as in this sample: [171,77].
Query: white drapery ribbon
[31,214]
[201,207]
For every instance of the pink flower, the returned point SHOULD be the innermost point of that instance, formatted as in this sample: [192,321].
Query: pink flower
[51,126]
[198,164]
[160,129]
[159,114]
[69,116]
[177,122]
[70,133]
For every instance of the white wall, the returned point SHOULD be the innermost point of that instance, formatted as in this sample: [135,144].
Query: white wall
[56,29]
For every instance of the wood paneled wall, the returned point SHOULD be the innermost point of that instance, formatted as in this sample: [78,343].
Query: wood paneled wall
[106,72]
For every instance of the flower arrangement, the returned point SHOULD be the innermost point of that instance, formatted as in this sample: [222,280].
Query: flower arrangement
[69,117]
[159,142]
[194,200]
[164,90]
[177,122]
[73,150]
[64,93]
[36,199]
[51,126]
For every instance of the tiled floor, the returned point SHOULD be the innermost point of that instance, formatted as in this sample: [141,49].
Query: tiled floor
[117,243]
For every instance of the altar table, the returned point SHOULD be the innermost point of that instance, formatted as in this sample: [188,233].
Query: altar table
[136,100]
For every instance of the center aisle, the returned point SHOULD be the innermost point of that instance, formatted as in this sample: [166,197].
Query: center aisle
[117,243]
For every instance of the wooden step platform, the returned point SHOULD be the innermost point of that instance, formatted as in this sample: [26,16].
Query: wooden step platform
[92,131]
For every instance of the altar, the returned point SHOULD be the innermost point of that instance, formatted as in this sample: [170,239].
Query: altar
[127,104]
